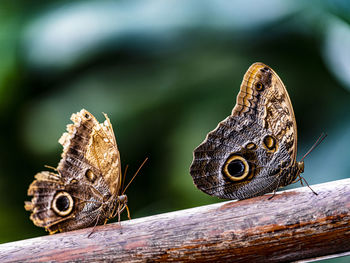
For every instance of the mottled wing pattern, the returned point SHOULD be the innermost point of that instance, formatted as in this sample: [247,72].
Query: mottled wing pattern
[272,105]
[91,145]
[251,151]
[43,190]
[88,176]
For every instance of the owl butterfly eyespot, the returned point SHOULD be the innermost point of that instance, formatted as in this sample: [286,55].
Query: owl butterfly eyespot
[253,151]
[259,86]
[86,189]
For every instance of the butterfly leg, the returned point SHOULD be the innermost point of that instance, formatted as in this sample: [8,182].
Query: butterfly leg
[298,180]
[120,223]
[121,209]
[93,229]
[273,195]
[128,211]
[302,178]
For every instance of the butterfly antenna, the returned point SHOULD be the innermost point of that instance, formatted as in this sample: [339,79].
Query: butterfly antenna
[319,140]
[135,175]
[126,168]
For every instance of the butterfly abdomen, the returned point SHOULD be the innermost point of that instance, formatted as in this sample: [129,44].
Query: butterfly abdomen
[291,174]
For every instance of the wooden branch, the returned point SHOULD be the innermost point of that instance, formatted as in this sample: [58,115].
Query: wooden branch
[293,225]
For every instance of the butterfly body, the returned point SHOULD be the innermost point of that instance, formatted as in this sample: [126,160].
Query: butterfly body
[85,190]
[252,151]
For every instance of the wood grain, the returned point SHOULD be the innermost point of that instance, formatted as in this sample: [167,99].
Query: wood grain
[293,225]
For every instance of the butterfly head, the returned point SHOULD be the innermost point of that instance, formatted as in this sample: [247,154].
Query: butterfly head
[122,199]
[300,166]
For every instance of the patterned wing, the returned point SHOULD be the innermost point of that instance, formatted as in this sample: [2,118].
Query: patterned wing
[84,191]
[263,94]
[249,152]
[90,153]
[59,207]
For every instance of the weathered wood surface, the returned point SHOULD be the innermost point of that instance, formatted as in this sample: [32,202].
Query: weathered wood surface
[294,225]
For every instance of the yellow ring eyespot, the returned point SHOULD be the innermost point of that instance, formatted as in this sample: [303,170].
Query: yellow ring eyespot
[259,86]
[90,175]
[270,143]
[62,203]
[265,69]
[250,146]
[236,168]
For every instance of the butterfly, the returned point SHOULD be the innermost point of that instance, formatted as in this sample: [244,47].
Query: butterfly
[253,151]
[85,189]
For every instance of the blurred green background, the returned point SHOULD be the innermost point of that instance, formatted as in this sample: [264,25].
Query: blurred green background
[166,72]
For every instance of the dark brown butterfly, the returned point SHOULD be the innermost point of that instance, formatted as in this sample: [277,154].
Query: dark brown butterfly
[86,189]
[253,151]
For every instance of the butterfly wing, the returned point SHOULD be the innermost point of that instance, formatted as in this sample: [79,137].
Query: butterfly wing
[250,152]
[271,105]
[84,190]
[90,152]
